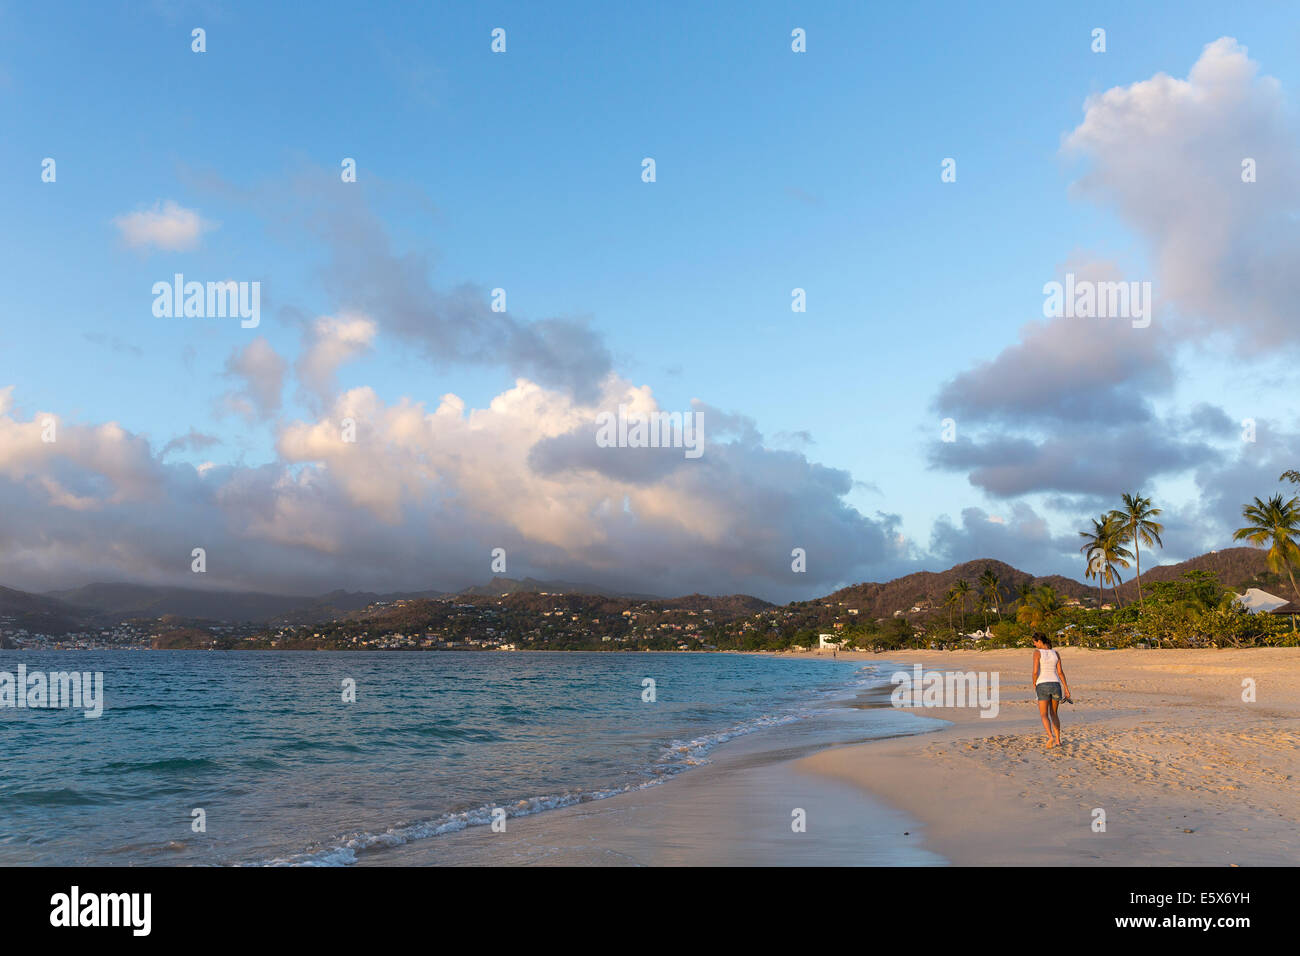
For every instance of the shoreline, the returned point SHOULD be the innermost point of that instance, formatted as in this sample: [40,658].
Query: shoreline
[1186,772]
[733,810]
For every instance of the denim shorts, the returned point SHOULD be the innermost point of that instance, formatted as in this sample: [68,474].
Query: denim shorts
[1048,690]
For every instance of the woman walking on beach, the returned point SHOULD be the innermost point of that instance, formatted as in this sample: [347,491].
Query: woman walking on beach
[1049,683]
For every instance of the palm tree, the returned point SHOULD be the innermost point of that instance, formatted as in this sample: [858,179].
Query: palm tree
[1139,529]
[1104,547]
[992,593]
[1039,607]
[1275,523]
[963,589]
[1290,476]
[950,599]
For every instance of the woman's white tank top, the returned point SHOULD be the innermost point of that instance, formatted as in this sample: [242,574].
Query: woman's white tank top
[1047,659]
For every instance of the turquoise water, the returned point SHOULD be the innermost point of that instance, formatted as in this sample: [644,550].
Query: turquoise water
[287,772]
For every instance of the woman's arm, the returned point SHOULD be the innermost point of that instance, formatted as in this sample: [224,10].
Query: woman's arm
[1034,679]
[1060,672]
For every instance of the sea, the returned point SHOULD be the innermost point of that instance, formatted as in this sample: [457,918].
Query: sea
[333,759]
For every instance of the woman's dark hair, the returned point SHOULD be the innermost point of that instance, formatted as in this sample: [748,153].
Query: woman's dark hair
[1040,636]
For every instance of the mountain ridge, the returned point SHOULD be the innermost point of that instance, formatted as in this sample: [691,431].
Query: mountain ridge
[101,604]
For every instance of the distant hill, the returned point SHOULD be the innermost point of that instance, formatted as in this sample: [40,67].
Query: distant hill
[421,615]
[724,607]
[499,586]
[1234,566]
[59,612]
[108,603]
[922,587]
[122,601]
[40,613]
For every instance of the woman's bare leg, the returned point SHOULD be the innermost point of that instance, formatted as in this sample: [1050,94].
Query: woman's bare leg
[1047,721]
[1056,720]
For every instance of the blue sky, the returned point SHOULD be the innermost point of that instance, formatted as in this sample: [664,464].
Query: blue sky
[522,170]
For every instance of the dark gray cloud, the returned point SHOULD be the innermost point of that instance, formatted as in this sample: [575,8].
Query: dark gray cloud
[577,451]
[1228,484]
[192,440]
[1086,462]
[1021,538]
[1072,370]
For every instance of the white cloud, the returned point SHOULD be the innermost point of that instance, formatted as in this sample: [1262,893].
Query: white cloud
[1167,154]
[421,498]
[168,225]
[329,342]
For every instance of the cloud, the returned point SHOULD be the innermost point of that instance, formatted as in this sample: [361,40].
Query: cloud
[1068,370]
[168,226]
[328,343]
[1086,462]
[1167,155]
[1233,481]
[193,440]
[261,370]
[1071,406]
[421,498]
[1022,540]
[364,274]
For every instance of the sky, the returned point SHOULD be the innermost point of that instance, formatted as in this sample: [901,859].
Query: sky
[920,411]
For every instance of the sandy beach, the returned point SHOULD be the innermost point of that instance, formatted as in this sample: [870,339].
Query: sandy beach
[1185,770]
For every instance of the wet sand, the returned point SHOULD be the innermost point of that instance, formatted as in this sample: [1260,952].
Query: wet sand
[738,810]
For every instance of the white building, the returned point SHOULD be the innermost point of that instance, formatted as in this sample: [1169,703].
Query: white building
[1257,601]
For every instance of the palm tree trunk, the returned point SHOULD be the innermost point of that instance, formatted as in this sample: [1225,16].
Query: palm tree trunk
[1292,577]
[1137,560]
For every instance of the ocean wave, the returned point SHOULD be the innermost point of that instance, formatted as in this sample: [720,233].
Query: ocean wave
[162,766]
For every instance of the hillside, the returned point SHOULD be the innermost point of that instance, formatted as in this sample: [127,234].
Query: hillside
[1234,566]
[39,613]
[59,612]
[425,613]
[901,594]
[499,586]
[110,603]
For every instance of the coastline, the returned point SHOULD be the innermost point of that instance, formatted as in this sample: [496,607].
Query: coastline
[736,809]
[1186,772]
